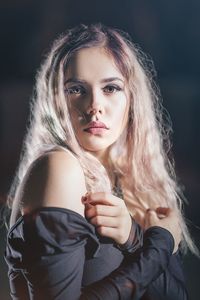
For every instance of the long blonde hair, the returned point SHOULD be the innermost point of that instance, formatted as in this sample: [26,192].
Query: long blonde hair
[141,151]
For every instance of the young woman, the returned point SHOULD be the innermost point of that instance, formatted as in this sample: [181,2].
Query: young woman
[96,211]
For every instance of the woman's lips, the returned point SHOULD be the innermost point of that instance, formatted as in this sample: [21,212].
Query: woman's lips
[96,130]
[96,127]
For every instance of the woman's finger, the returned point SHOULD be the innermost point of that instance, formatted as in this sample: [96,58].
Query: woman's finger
[163,210]
[101,210]
[108,231]
[103,198]
[105,221]
[151,218]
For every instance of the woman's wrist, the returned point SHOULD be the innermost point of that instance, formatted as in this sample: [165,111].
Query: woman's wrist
[135,239]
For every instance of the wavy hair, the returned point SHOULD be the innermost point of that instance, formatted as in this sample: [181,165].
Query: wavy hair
[140,154]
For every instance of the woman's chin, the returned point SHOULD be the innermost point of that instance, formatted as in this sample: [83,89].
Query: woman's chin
[94,148]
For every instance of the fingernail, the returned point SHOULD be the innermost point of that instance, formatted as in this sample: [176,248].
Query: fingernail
[84,199]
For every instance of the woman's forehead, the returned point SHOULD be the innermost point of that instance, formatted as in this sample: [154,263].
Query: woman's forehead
[95,61]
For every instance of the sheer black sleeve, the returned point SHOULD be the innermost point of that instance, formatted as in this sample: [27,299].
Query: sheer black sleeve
[151,273]
[170,285]
[135,239]
[46,252]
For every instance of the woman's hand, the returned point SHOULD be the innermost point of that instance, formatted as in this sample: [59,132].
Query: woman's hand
[166,218]
[109,214]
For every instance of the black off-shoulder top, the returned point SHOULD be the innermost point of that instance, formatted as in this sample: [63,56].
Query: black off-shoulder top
[56,254]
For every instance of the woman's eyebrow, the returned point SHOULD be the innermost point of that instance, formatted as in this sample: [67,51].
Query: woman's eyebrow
[110,79]
[74,80]
[80,81]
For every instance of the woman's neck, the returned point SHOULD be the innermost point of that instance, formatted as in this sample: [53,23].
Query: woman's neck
[102,156]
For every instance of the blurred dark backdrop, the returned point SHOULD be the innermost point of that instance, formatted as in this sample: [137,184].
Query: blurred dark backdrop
[168,31]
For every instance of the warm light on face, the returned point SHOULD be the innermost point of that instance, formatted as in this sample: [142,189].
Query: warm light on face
[97,93]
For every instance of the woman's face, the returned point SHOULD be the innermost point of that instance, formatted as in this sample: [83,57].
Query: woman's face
[98,99]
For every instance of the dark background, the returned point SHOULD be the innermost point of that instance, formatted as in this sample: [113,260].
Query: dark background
[168,31]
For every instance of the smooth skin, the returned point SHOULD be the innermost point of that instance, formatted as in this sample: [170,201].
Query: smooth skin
[50,181]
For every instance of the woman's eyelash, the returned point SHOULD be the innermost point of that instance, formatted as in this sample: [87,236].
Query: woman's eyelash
[112,88]
[79,90]
[75,90]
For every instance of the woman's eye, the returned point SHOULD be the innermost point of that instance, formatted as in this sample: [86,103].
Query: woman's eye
[75,90]
[109,89]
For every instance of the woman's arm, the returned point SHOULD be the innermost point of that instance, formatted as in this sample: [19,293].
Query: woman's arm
[146,274]
[47,248]
[56,272]
[56,180]
[170,284]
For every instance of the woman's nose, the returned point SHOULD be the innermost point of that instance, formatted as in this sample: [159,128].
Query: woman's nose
[95,104]
[93,111]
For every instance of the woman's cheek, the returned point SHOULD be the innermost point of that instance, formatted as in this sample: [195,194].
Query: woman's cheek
[120,110]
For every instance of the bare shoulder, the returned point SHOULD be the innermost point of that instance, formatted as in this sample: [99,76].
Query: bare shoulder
[56,179]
